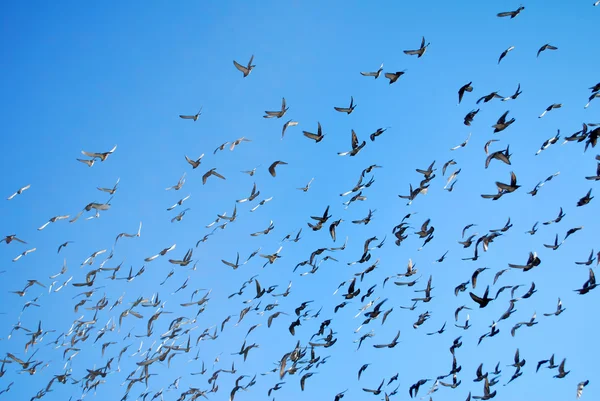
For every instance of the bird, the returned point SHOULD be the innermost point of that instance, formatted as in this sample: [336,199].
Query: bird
[356,146]
[102,156]
[318,137]
[504,53]
[194,163]
[348,109]
[179,184]
[482,301]
[245,69]
[420,51]
[393,76]
[551,107]
[191,117]
[465,88]
[53,220]
[502,124]
[10,238]
[584,383]
[289,123]
[373,74]
[19,191]
[212,171]
[515,95]
[547,46]
[273,165]
[277,114]
[511,14]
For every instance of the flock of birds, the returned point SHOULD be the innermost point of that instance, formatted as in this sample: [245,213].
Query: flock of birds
[184,333]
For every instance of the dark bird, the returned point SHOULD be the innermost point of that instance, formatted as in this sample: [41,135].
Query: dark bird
[275,164]
[482,301]
[504,53]
[549,108]
[502,124]
[511,14]
[463,89]
[277,114]
[318,137]
[470,116]
[393,76]
[532,262]
[356,146]
[489,97]
[546,47]
[583,201]
[349,109]
[212,171]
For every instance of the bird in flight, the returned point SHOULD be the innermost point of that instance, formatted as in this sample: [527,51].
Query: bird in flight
[245,69]
[420,51]
[191,117]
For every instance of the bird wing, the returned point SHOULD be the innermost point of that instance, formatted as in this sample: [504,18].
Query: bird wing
[241,67]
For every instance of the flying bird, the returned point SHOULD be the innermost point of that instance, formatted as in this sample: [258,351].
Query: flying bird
[245,69]
[420,51]
[547,46]
[277,114]
[373,74]
[191,117]
[19,191]
[348,109]
[511,14]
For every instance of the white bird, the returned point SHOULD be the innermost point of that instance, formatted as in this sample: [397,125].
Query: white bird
[102,156]
[161,253]
[24,254]
[289,123]
[179,203]
[179,184]
[19,192]
[110,190]
[262,202]
[53,220]
[462,145]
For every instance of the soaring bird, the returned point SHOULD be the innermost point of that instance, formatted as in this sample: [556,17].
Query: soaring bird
[273,165]
[191,117]
[420,51]
[245,69]
[547,46]
[551,107]
[19,191]
[511,14]
[393,76]
[102,156]
[348,109]
[375,74]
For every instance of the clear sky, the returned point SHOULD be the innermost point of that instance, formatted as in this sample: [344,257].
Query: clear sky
[88,76]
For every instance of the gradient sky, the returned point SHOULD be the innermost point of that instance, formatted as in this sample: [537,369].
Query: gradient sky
[81,76]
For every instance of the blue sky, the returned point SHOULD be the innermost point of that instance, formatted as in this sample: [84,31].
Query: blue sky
[89,77]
